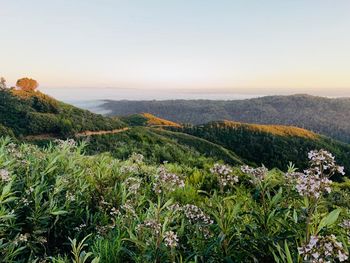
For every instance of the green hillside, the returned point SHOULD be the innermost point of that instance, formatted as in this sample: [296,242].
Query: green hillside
[147,119]
[327,116]
[24,113]
[160,146]
[35,117]
[271,145]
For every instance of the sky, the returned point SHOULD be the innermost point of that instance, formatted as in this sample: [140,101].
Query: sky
[196,46]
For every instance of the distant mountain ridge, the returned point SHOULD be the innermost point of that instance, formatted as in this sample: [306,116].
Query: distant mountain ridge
[280,130]
[322,115]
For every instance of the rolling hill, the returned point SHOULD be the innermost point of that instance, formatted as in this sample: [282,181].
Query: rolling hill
[160,146]
[27,113]
[147,119]
[271,145]
[36,117]
[326,116]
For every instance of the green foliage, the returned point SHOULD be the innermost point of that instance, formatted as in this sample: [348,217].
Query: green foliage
[135,120]
[4,131]
[160,146]
[60,205]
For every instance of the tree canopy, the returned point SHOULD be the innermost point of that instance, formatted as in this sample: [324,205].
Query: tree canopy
[27,84]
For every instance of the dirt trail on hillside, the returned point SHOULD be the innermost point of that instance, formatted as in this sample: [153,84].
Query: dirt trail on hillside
[89,133]
[79,134]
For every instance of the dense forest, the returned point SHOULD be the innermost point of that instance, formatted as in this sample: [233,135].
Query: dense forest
[326,116]
[272,146]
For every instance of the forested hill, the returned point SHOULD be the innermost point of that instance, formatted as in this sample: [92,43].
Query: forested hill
[271,145]
[24,113]
[322,115]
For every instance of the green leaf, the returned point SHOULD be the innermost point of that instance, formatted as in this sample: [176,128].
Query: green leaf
[295,216]
[329,220]
[287,251]
[59,212]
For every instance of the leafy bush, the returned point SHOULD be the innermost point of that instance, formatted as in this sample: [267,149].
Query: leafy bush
[59,205]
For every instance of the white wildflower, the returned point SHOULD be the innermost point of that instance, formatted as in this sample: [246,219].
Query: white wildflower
[224,175]
[170,238]
[323,249]
[257,175]
[5,175]
[165,181]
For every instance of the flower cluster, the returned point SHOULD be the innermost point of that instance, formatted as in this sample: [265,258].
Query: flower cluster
[323,249]
[132,184]
[5,175]
[129,168]
[128,208]
[174,208]
[13,150]
[224,175]
[312,185]
[195,215]
[170,238]
[257,174]
[133,167]
[221,169]
[70,196]
[345,224]
[315,180]
[324,162]
[153,225]
[165,181]
[23,237]
[80,227]
[114,212]
[70,143]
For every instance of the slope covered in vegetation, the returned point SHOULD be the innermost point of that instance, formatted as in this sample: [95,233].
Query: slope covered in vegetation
[273,146]
[58,205]
[32,112]
[326,116]
[160,146]
[147,119]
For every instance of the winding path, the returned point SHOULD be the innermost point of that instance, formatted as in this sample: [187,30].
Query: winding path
[89,133]
[48,136]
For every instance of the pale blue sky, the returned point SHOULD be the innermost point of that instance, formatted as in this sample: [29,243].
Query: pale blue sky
[240,46]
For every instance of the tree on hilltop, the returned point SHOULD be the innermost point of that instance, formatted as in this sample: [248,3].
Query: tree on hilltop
[27,84]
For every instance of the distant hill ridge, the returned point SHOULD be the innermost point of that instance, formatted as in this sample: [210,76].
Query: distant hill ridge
[147,119]
[321,115]
[281,130]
